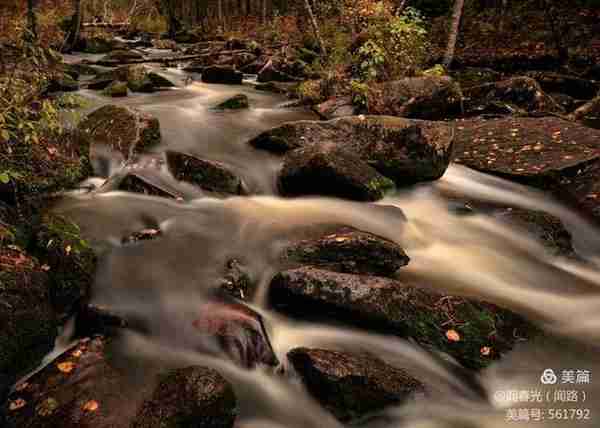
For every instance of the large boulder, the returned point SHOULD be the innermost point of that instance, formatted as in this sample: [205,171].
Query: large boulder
[138,78]
[271,74]
[329,170]
[427,97]
[518,93]
[352,385]
[335,107]
[222,74]
[589,110]
[404,150]
[473,332]
[348,250]
[98,45]
[536,151]
[87,386]
[116,89]
[210,175]
[121,128]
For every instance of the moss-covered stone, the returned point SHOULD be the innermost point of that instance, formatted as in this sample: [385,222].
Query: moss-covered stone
[159,81]
[120,56]
[116,89]
[122,128]
[237,102]
[98,45]
[485,331]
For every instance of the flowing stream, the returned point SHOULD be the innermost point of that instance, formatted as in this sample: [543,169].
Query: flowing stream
[472,254]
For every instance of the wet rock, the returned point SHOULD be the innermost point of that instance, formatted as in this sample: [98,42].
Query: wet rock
[236,282]
[522,92]
[591,109]
[349,251]
[121,128]
[89,386]
[222,74]
[239,101]
[185,36]
[194,396]
[428,97]
[116,89]
[548,229]
[573,86]
[209,175]
[566,102]
[120,57]
[238,330]
[243,58]
[270,74]
[335,107]
[581,188]
[139,183]
[159,81]
[331,171]
[536,151]
[196,66]
[137,78]
[28,323]
[63,83]
[236,44]
[404,150]
[352,385]
[98,45]
[392,307]
[100,81]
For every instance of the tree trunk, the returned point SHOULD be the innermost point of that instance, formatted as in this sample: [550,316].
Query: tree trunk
[456,16]
[74,31]
[552,16]
[315,26]
[31,21]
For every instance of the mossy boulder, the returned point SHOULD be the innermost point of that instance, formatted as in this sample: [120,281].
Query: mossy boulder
[352,385]
[159,81]
[28,323]
[138,78]
[121,128]
[89,387]
[237,102]
[406,151]
[331,171]
[222,74]
[116,89]
[212,176]
[427,97]
[63,82]
[484,331]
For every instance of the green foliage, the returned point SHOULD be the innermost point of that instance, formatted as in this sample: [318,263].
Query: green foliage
[360,94]
[437,70]
[396,46]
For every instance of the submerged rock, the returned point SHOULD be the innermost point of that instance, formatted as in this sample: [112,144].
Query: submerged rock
[222,74]
[483,331]
[328,170]
[521,92]
[159,81]
[349,251]
[88,386]
[404,150]
[352,385]
[428,97]
[121,128]
[536,151]
[209,175]
[121,57]
[239,101]
[139,183]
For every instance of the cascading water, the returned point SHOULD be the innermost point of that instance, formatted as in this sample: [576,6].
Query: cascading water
[161,282]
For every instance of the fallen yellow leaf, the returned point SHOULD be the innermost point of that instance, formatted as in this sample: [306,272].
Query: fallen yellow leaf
[452,336]
[91,406]
[66,367]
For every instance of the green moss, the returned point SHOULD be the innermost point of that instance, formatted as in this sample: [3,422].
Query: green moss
[71,261]
[116,89]
[381,185]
